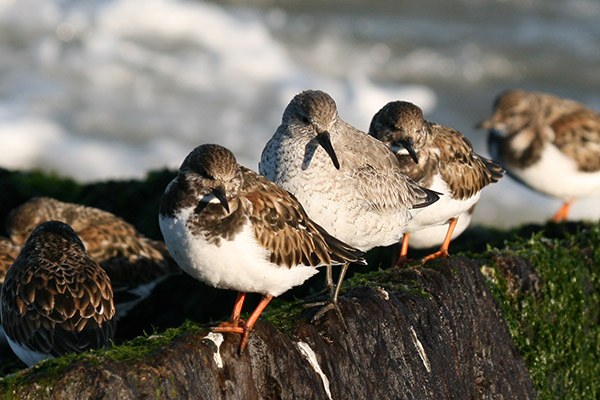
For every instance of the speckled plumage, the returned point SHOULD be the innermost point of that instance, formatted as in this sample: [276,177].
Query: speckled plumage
[366,202]
[442,159]
[55,298]
[548,143]
[233,229]
[275,219]
[134,263]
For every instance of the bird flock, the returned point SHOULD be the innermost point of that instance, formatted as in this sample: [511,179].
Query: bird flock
[326,193]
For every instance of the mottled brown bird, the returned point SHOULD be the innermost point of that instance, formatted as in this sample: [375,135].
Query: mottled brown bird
[438,158]
[134,263]
[233,229]
[55,298]
[548,143]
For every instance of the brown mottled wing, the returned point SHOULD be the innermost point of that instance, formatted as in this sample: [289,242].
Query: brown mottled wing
[58,306]
[283,228]
[129,258]
[577,134]
[465,172]
[8,254]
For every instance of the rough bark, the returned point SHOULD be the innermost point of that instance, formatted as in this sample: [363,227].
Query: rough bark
[445,340]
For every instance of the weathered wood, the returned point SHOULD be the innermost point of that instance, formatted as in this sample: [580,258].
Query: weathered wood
[443,339]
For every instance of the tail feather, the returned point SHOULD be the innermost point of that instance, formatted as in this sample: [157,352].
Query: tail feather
[496,170]
[431,197]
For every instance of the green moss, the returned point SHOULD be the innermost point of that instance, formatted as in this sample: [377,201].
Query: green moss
[557,332]
[389,278]
[47,371]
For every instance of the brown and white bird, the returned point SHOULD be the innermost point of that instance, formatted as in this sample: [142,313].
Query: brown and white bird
[134,263]
[233,229]
[548,143]
[55,298]
[438,158]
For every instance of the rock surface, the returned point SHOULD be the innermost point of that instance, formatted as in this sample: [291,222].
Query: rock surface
[427,333]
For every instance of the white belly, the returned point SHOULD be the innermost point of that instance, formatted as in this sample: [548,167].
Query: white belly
[556,175]
[442,210]
[241,264]
[434,236]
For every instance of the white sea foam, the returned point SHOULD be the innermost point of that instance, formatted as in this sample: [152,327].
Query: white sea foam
[111,89]
[130,85]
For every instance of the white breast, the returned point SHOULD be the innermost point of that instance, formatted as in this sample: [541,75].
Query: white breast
[556,175]
[240,264]
[434,235]
[442,210]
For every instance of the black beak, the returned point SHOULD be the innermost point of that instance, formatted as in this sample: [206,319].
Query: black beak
[324,140]
[220,195]
[407,144]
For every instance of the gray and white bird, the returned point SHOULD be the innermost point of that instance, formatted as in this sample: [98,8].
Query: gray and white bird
[231,228]
[348,182]
[55,298]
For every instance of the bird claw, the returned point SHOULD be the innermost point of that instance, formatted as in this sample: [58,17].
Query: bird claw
[328,306]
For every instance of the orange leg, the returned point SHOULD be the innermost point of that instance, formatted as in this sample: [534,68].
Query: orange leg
[561,215]
[252,320]
[234,322]
[443,252]
[401,258]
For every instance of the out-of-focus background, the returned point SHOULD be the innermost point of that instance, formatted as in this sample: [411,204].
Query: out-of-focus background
[103,89]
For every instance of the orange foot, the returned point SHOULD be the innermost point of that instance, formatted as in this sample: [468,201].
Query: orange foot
[437,254]
[237,325]
[562,214]
[230,327]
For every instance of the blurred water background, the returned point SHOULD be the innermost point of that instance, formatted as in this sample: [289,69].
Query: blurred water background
[102,89]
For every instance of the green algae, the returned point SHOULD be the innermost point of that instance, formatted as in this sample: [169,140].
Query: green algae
[557,330]
[48,371]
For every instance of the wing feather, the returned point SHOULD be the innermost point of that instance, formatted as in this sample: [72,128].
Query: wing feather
[283,228]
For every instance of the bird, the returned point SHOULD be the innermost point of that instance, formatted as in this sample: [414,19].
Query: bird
[55,298]
[134,263]
[548,143]
[231,228]
[349,182]
[438,158]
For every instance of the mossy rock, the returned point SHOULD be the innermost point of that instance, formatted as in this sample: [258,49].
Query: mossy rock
[545,279]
